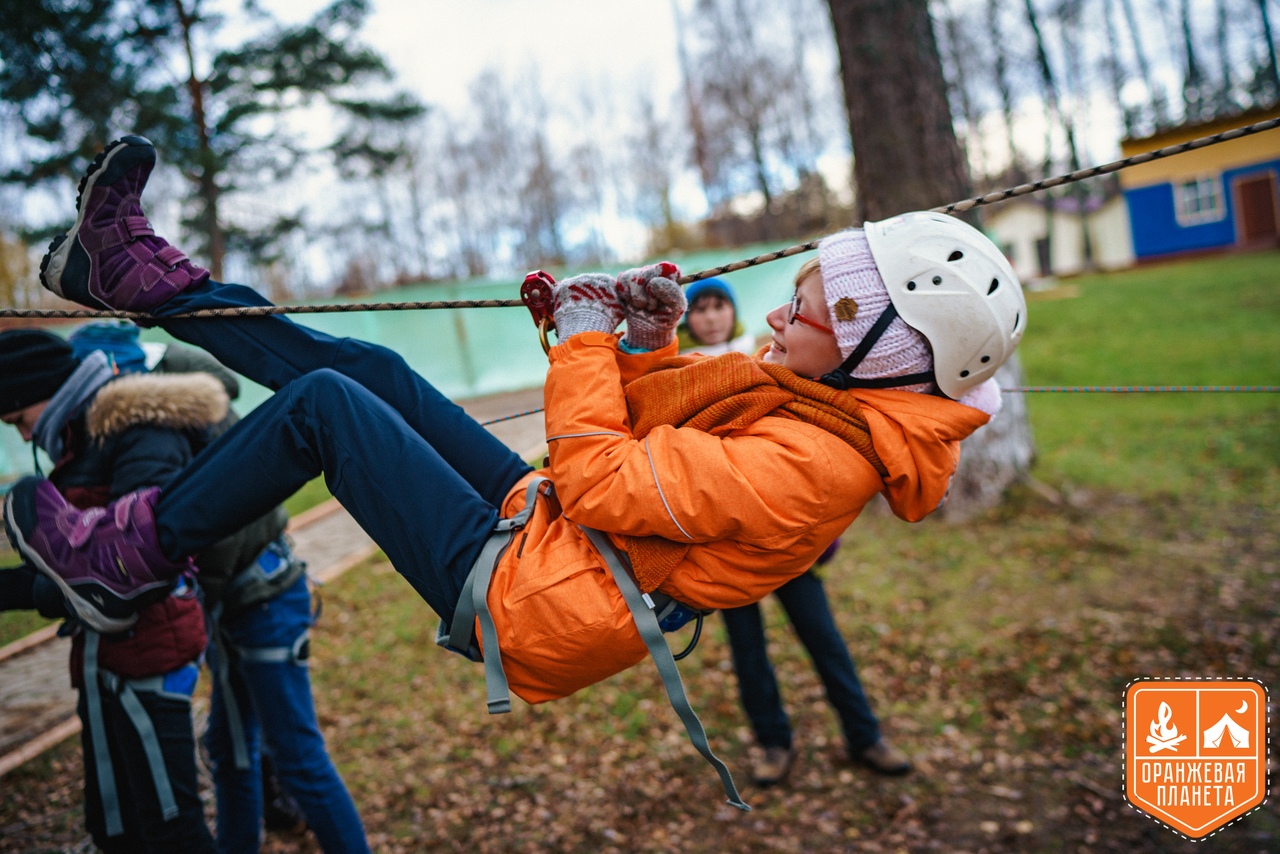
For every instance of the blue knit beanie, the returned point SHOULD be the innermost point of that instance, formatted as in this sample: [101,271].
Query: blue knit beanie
[703,287]
[117,338]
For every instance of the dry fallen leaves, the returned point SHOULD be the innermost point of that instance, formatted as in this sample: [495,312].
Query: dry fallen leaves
[996,653]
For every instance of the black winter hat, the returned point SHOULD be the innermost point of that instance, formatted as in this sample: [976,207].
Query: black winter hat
[33,366]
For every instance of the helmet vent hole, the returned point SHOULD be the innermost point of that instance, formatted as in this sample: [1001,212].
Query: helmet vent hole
[937,280]
[964,373]
[995,283]
[986,359]
[911,286]
[955,256]
[1017,319]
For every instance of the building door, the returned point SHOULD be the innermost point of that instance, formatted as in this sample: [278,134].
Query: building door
[1043,260]
[1256,204]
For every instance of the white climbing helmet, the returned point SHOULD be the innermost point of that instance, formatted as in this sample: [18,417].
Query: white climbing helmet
[948,281]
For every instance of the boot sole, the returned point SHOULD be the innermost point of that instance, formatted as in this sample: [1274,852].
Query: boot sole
[85,610]
[65,251]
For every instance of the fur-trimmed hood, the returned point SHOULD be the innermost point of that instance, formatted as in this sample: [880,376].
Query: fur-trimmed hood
[176,401]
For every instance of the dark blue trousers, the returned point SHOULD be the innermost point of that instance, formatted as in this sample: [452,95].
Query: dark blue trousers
[805,601]
[421,477]
[278,715]
[146,831]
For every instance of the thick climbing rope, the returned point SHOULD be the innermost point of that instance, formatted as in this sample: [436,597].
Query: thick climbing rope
[956,207]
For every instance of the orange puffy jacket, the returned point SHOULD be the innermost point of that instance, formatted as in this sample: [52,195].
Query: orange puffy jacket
[758,506]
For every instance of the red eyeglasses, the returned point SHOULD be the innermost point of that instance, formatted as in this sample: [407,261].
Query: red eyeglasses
[795,315]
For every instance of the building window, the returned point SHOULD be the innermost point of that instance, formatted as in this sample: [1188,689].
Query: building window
[1198,201]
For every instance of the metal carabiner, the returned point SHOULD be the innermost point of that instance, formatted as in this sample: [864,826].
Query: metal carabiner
[535,293]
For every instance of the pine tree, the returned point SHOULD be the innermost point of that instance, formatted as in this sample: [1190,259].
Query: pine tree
[86,71]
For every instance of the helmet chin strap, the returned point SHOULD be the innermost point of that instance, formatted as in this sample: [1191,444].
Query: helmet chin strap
[842,378]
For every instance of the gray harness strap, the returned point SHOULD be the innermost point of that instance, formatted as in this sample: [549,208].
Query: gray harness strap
[126,690]
[274,570]
[473,603]
[220,664]
[98,737]
[642,611]
[293,654]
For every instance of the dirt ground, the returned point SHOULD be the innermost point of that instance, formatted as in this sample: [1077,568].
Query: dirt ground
[997,654]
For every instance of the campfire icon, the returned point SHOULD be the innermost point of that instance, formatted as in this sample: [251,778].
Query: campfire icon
[1164,735]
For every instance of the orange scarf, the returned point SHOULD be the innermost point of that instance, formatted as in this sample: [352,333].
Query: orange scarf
[718,396]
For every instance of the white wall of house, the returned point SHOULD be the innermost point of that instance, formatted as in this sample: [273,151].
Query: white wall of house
[1017,226]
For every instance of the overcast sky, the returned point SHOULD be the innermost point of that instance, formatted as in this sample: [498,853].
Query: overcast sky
[437,47]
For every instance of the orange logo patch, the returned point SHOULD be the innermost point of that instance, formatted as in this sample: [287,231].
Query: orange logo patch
[1195,751]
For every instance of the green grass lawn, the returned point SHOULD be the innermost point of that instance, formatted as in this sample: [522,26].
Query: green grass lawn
[996,651]
[1206,322]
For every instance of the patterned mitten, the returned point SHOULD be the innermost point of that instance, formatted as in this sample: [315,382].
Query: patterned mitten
[653,303]
[586,303]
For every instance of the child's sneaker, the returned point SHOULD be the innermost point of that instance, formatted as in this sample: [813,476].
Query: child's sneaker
[111,258]
[106,560]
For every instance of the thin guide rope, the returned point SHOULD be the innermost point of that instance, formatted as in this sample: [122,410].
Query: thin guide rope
[1060,389]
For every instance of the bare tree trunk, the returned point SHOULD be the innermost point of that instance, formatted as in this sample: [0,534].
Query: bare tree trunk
[386,227]
[907,158]
[1053,106]
[1001,69]
[805,163]
[417,211]
[651,166]
[1225,101]
[1193,80]
[1273,71]
[206,179]
[756,137]
[753,115]
[958,54]
[997,456]
[701,157]
[1115,69]
[1158,106]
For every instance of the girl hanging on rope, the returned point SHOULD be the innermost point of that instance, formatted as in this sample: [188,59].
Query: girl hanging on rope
[709,481]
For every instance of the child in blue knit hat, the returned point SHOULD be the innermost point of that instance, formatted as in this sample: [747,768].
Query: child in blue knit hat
[711,324]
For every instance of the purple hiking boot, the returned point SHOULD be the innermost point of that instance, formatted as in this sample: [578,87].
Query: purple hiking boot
[106,560]
[111,257]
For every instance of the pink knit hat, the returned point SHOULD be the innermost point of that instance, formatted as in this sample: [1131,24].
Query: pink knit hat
[856,296]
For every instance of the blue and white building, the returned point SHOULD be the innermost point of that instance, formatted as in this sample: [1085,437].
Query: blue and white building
[1222,197]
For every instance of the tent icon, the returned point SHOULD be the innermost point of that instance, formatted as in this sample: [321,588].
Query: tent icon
[1226,725]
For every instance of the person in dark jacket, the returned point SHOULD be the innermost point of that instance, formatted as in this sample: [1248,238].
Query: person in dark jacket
[135,683]
[258,608]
